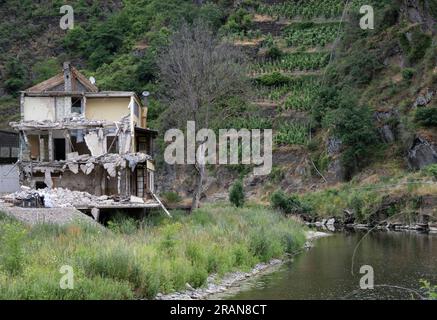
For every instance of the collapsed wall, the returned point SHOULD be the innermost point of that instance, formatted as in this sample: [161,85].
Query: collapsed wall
[97,160]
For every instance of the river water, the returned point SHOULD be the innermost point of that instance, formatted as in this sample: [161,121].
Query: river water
[398,259]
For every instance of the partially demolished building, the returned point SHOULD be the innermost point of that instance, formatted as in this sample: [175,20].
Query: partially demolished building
[75,137]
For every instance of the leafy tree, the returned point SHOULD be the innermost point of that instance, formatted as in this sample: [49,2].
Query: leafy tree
[236,194]
[15,75]
[354,126]
[239,21]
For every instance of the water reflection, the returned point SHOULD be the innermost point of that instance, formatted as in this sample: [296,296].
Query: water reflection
[398,258]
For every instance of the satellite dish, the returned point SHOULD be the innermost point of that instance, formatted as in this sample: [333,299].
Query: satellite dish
[146,93]
[92,80]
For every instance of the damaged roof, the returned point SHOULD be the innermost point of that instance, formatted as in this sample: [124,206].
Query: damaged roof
[78,81]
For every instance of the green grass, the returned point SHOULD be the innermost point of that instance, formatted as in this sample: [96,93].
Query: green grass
[162,255]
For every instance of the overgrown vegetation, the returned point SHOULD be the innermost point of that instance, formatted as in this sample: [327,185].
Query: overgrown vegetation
[158,255]
[288,204]
[427,117]
[236,194]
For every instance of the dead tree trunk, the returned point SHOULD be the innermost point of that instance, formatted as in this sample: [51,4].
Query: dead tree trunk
[199,186]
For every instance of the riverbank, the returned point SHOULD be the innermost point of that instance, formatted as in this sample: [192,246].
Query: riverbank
[405,202]
[216,286]
[138,259]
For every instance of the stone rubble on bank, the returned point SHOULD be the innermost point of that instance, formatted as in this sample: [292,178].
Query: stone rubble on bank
[215,285]
[332,224]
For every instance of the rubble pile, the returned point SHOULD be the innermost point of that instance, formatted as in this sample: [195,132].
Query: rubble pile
[64,198]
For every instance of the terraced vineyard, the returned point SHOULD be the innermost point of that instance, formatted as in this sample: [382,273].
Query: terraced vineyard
[299,94]
[309,34]
[299,61]
[291,61]
[306,9]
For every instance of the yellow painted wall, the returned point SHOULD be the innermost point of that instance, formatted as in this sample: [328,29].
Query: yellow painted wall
[110,109]
[39,108]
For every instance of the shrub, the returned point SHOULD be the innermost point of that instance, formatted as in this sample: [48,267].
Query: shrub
[287,203]
[171,197]
[431,290]
[417,47]
[273,53]
[236,194]
[427,116]
[239,22]
[273,79]
[122,224]
[432,170]
[408,73]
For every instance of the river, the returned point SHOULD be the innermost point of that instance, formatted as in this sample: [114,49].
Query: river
[398,259]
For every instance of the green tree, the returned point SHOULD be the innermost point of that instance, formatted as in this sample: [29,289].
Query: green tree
[354,126]
[15,75]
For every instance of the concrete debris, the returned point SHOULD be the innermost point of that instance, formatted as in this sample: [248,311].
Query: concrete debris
[71,155]
[65,198]
[87,168]
[136,199]
[111,168]
[73,167]
[95,143]
[48,178]
[135,158]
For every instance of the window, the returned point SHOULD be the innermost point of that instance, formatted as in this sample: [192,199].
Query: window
[60,151]
[142,144]
[136,109]
[112,144]
[140,182]
[76,105]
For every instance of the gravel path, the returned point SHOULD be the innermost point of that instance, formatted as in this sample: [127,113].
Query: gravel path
[34,216]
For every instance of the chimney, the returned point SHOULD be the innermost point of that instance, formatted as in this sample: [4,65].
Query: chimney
[145,94]
[67,77]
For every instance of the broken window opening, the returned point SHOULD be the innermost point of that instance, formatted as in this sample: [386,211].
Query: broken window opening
[76,105]
[112,145]
[40,185]
[60,151]
[39,147]
[141,180]
[78,143]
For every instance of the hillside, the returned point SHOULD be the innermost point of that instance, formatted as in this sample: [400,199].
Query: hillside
[344,103]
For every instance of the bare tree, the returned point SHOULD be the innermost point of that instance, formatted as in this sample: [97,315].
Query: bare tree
[197,71]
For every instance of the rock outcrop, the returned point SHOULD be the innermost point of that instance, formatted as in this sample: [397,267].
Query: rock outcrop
[421,154]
